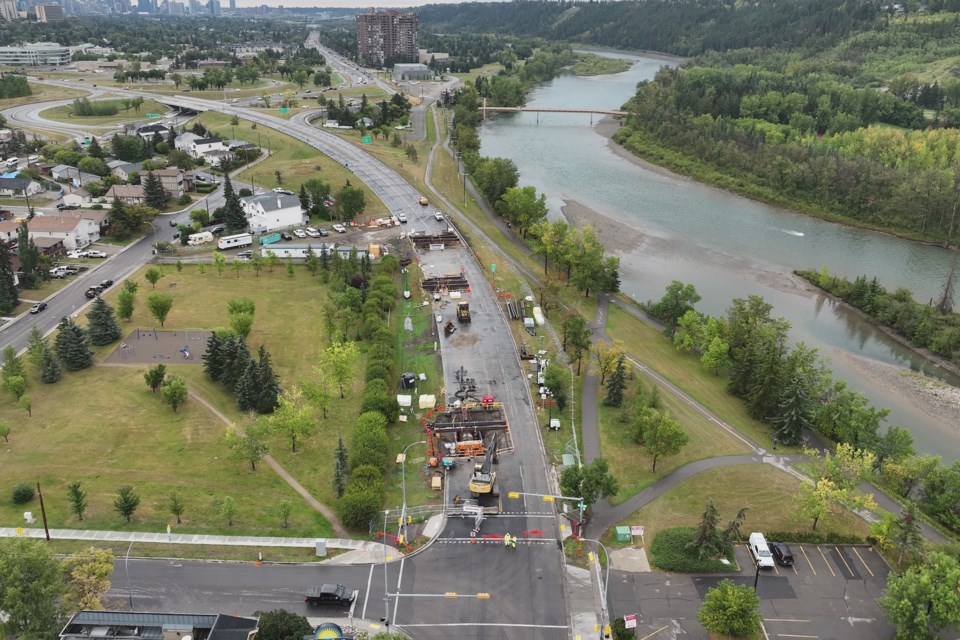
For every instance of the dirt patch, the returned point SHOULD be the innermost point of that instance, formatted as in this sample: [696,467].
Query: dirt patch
[459,339]
[150,346]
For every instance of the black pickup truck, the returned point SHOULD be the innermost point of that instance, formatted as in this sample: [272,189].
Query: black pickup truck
[329,594]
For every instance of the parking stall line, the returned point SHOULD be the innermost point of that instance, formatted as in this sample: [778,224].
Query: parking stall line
[827,562]
[807,558]
[844,560]
[865,565]
[655,632]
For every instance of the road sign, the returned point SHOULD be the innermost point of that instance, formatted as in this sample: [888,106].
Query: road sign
[630,621]
[469,508]
[283,110]
[365,139]
[153,115]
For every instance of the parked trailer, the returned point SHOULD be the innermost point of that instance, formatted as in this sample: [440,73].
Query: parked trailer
[270,238]
[234,241]
[200,238]
[297,250]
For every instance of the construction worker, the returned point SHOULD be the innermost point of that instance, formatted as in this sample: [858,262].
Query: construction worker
[506,540]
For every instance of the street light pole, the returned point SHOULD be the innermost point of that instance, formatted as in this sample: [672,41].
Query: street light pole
[403,483]
[386,596]
[126,567]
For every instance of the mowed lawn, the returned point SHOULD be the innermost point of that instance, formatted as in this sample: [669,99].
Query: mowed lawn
[65,114]
[42,93]
[296,161]
[767,491]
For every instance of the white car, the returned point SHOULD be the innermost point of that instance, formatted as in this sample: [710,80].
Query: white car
[439,216]
[283,191]
[96,254]
[339,228]
[299,233]
[402,217]
[77,254]
[313,233]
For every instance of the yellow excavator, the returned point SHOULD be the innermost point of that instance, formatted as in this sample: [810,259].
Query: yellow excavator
[484,480]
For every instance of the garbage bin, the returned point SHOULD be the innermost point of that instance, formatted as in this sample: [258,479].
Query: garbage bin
[408,380]
[623,534]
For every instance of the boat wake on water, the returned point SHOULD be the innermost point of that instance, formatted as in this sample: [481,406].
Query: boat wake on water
[791,232]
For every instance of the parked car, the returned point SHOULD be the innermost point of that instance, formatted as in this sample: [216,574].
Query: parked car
[218,230]
[96,254]
[37,308]
[92,292]
[79,253]
[313,233]
[760,550]
[67,207]
[323,232]
[245,254]
[106,284]
[339,228]
[300,233]
[283,191]
[781,553]
[329,593]
[176,235]
[286,236]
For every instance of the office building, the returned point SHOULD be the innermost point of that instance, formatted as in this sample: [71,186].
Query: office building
[37,54]
[49,13]
[8,11]
[388,35]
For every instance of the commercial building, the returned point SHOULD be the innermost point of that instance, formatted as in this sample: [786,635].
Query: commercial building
[132,625]
[50,13]
[387,34]
[37,54]
[403,72]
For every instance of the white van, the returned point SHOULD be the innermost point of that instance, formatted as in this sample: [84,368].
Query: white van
[760,550]
[33,159]
[13,162]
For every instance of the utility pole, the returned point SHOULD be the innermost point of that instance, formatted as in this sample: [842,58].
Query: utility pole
[43,513]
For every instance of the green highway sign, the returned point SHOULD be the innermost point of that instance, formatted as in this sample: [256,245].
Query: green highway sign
[153,115]
[283,110]
[365,139]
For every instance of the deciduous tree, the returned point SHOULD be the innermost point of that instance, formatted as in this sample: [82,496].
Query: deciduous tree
[730,609]
[659,434]
[281,624]
[591,482]
[924,600]
[339,359]
[607,355]
[249,446]
[291,418]
[88,579]
[174,391]
[153,276]
[159,305]
[155,376]
[31,584]
[78,499]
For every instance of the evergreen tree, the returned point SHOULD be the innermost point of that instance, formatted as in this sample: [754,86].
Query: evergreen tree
[246,387]
[707,541]
[49,365]
[232,210]
[304,198]
[35,342]
[213,357]
[12,364]
[103,327]
[29,258]
[907,534]
[796,412]
[94,150]
[340,467]
[8,290]
[235,360]
[73,346]
[153,191]
[267,386]
[616,385]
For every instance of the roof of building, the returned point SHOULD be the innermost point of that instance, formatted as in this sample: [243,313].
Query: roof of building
[77,191]
[411,66]
[6,226]
[15,183]
[133,625]
[273,201]
[167,173]
[96,215]
[130,167]
[113,164]
[317,247]
[63,167]
[45,242]
[188,136]
[55,222]
[152,128]
[125,191]
[207,141]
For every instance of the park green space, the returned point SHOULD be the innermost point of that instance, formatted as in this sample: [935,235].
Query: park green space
[491,69]
[42,93]
[64,113]
[296,161]
[194,551]
[766,490]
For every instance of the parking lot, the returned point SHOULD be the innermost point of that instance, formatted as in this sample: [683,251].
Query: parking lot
[829,593]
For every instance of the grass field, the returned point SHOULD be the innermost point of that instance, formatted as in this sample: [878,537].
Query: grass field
[296,161]
[767,491]
[43,93]
[65,114]
[491,69]
[197,551]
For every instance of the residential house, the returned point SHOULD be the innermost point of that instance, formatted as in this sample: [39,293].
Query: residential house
[147,131]
[100,217]
[172,179]
[76,196]
[84,179]
[134,625]
[75,231]
[8,230]
[126,193]
[184,141]
[64,172]
[272,211]
[113,164]
[216,157]
[19,186]
[124,170]
[235,145]
[50,245]
[202,146]
[364,122]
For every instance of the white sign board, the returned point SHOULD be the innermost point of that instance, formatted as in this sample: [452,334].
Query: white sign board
[469,508]
[630,621]
[636,530]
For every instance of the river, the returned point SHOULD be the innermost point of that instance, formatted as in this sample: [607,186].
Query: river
[727,245]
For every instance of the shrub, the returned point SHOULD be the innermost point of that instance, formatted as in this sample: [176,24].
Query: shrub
[377,397]
[377,370]
[23,493]
[813,537]
[673,550]
[357,507]
[184,200]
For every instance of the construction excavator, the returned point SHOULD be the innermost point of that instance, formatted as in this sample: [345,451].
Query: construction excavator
[484,480]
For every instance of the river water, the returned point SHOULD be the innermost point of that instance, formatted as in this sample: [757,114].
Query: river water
[727,245]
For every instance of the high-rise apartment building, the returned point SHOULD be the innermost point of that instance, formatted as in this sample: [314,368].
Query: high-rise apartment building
[49,13]
[233,5]
[8,11]
[388,34]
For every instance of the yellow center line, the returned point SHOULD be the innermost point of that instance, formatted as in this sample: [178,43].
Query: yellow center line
[805,557]
[654,633]
[832,572]
[865,565]
[852,574]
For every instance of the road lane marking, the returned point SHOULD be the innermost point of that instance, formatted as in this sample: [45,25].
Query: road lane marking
[832,572]
[485,624]
[794,635]
[775,570]
[805,557]
[852,574]
[865,565]
[366,596]
[655,632]
[785,620]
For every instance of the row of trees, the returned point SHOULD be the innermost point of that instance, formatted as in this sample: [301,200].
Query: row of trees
[227,360]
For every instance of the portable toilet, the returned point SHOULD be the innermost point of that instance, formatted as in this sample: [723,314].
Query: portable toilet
[623,534]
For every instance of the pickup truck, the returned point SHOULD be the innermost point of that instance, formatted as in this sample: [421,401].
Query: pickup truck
[329,593]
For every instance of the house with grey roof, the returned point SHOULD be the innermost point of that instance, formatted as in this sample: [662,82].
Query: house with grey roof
[19,187]
[147,131]
[124,170]
[272,211]
[183,141]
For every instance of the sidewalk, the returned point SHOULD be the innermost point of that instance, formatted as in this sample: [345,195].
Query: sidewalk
[360,551]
